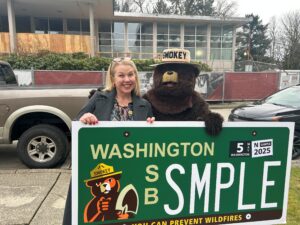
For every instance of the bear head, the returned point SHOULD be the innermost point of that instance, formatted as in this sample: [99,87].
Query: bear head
[105,186]
[174,80]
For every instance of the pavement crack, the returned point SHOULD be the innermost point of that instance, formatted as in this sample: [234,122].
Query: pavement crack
[42,202]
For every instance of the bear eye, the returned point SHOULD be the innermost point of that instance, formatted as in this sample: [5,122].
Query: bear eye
[109,180]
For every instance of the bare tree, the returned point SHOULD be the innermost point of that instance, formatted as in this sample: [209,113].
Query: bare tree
[273,34]
[226,8]
[140,4]
[290,39]
[124,6]
[176,7]
[144,6]
[276,50]
[291,27]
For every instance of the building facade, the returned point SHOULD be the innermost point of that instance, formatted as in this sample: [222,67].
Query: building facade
[92,26]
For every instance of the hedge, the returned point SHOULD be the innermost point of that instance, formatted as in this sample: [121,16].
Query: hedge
[75,61]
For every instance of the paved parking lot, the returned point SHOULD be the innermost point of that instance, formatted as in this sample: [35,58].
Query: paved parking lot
[31,196]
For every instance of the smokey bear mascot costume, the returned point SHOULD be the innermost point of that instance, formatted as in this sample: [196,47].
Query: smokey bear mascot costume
[173,97]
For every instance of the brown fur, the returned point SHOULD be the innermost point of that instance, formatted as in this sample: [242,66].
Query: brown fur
[178,101]
[102,206]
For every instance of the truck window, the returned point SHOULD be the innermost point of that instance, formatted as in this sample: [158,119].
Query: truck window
[7,76]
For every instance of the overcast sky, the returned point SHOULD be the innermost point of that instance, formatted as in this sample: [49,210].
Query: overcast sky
[267,8]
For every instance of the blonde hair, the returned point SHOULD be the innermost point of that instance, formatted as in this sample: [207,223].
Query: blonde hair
[109,84]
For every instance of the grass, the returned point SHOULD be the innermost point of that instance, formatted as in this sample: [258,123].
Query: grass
[293,213]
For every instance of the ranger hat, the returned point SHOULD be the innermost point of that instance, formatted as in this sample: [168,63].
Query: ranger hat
[102,171]
[177,56]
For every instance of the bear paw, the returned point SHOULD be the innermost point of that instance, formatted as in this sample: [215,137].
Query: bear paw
[213,123]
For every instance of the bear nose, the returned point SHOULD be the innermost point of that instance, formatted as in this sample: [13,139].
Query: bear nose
[169,72]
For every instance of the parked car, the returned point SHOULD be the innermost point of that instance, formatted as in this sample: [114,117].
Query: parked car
[284,105]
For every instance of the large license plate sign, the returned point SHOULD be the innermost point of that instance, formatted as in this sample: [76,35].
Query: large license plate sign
[175,174]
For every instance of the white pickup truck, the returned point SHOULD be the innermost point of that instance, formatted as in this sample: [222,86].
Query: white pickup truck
[39,118]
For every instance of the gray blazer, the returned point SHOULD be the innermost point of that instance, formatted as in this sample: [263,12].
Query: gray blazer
[101,105]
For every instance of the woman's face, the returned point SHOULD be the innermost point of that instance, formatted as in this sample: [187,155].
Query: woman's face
[124,79]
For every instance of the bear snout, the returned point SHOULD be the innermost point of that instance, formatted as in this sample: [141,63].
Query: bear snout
[170,76]
[105,188]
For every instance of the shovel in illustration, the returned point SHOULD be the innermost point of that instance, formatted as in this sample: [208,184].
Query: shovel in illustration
[128,201]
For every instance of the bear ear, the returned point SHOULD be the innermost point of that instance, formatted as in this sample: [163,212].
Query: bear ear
[90,183]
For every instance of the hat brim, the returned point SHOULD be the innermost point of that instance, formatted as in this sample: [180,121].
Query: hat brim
[104,176]
[195,65]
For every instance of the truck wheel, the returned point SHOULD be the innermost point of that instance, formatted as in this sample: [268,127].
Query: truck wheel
[42,146]
[296,146]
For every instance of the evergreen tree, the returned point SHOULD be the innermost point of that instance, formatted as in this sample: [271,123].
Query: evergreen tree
[193,7]
[116,6]
[177,7]
[204,8]
[125,7]
[252,41]
[161,8]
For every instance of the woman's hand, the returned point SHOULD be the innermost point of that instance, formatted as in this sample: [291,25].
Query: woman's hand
[89,118]
[150,119]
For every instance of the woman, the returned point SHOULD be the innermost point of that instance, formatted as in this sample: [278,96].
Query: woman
[119,101]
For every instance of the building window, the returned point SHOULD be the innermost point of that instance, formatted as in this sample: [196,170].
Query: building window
[174,35]
[168,36]
[201,42]
[41,25]
[140,40]
[23,24]
[48,25]
[227,42]
[85,27]
[105,39]
[221,42]
[112,39]
[147,40]
[55,26]
[118,40]
[190,39]
[73,26]
[162,37]
[78,26]
[134,39]
[3,24]
[195,40]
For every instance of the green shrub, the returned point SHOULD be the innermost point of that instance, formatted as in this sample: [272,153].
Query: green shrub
[45,60]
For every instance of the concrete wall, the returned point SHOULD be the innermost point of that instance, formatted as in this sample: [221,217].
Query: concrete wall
[60,77]
[214,86]
[24,77]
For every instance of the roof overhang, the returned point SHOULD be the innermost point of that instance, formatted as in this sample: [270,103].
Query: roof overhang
[235,21]
[60,8]
[103,10]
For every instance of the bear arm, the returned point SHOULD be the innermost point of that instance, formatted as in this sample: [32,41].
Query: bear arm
[213,123]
